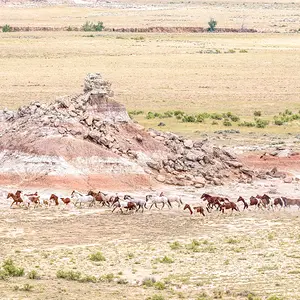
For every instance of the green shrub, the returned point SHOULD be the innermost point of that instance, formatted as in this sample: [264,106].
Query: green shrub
[159,285]
[166,260]
[278,122]
[231,51]
[108,277]
[33,275]
[274,297]
[212,25]
[88,278]
[150,115]
[156,297]
[6,28]
[90,26]
[234,118]
[227,123]
[11,270]
[98,256]
[178,113]
[214,123]
[260,123]
[68,275]
[69,28]
[247,124]
[148,281]
[243,51]
[288,112]
[174,246]
[194,246]
[216,116]
[168,114]
[189,119]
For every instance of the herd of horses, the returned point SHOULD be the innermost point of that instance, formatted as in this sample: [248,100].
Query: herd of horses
[129,203]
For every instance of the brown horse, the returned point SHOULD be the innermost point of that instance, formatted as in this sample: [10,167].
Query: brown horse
[198,209]
[54,198]
[213,201]
[16,198]
[229,205]
[66,200]
[99,197]
[246,206]
[289,202]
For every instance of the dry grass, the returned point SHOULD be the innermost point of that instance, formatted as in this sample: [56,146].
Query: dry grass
[222,256]
[158,72]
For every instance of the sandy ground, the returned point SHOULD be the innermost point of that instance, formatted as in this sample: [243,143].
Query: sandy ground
[219,256]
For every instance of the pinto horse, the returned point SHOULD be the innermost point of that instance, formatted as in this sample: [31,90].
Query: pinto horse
[140,203]
[198,209]
[128,205]
[229,205]
[16,198]
[278,201]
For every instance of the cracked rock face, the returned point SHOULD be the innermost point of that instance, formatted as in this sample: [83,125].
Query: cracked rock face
[91,136]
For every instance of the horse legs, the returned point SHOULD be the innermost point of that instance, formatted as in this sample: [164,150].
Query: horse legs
[163,206]
[114,209]
[13,203]
[151,206]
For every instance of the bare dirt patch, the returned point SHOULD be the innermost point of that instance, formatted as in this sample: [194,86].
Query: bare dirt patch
[226,255]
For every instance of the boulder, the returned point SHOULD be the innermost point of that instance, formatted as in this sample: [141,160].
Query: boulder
[161,178]
[288,179]
[188,144]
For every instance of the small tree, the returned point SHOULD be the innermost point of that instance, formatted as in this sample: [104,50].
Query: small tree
[212,25]
[90,26]
[6,28]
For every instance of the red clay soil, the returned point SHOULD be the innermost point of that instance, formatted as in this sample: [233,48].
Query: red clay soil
[116,182]
[266,163]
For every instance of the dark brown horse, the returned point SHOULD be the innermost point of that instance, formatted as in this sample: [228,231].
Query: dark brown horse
[198,209]
[246,206]
[213,201]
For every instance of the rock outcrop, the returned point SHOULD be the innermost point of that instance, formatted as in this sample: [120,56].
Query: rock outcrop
[89,141]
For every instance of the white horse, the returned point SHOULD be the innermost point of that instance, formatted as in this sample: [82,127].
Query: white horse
[158,199]
[79,198]
[174,198]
